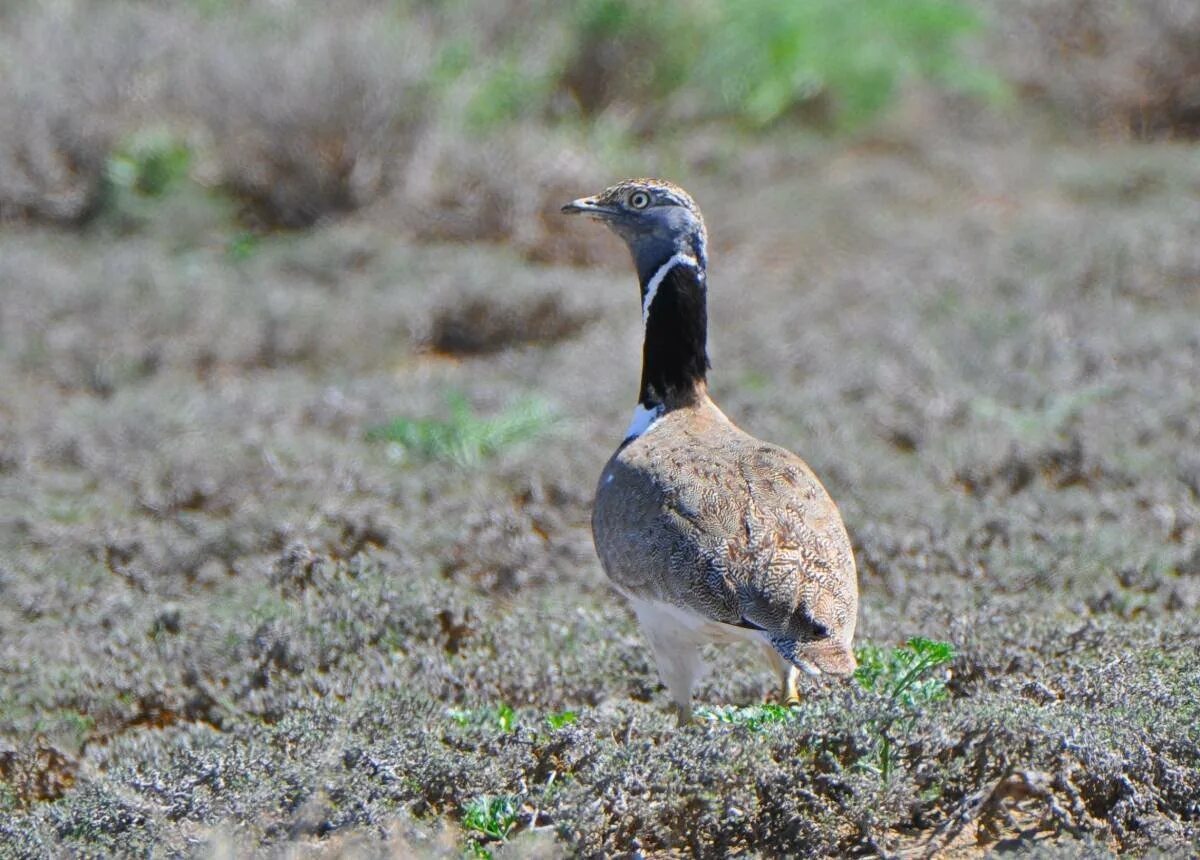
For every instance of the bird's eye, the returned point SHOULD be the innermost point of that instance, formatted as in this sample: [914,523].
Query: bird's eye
[639,200]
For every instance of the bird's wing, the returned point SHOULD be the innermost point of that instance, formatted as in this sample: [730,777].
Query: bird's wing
[764,546]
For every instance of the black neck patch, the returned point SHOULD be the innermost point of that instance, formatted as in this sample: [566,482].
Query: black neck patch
[675,351]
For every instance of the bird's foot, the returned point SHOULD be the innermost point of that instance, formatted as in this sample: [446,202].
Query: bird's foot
[790,694]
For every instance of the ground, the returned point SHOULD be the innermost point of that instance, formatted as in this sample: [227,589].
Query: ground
[240,612]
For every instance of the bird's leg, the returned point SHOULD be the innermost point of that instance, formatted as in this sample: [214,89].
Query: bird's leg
[788,674]
[678,659]
[791,690]
[683,712]
[679,667]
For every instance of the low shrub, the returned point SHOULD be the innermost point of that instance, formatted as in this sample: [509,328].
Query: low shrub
[70,81]
[308,117]
[1130,69]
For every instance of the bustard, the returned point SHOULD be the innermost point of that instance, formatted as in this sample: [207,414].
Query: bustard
[711,534]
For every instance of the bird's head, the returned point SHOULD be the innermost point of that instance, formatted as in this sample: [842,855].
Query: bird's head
[656,219]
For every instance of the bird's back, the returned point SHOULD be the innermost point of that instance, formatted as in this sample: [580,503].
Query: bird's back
[699,515]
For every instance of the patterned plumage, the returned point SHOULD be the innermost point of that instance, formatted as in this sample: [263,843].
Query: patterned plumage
[713,535]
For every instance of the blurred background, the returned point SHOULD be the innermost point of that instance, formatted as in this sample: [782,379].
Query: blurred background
[305,383]
[467,118]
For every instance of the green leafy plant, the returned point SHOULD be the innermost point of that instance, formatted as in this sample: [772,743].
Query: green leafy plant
[492,817]
[772,55]
[563,718]
[501,716]
[149,163]
[902,676]
[752,716]
[901,673]
[464,438]
[505,717]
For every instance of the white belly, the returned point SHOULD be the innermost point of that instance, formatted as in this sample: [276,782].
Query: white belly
[655,615]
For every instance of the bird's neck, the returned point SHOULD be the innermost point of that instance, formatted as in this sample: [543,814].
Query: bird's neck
[674,352]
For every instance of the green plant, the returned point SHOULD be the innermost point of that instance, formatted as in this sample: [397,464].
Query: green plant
[242,246]
[146,168]
[455,56]
[752,717]
[505,717]
[508,91]
[765,57]
[757,60]
[901,676]
[492,817]
[900,673]
[563,718]
[501,716]
[464,438]
[149,163]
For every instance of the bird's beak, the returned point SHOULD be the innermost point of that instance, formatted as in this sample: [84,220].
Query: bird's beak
[588,205]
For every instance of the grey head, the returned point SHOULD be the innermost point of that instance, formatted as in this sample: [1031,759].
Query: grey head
[656,218]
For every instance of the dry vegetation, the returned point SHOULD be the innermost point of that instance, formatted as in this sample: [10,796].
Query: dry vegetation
[1126,68]
[301,405]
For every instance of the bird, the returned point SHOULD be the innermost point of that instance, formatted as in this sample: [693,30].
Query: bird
[711,534]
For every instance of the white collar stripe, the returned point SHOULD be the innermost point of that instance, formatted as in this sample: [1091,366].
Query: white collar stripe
[643,420]
[680,259]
